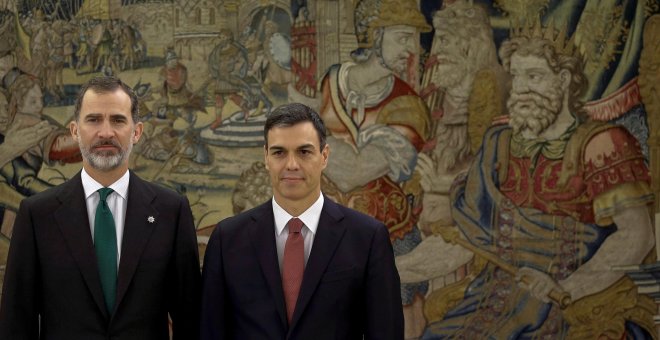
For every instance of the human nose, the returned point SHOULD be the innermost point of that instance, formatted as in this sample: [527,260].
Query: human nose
[518,85]
[291,162]
[410,46]
[106,130]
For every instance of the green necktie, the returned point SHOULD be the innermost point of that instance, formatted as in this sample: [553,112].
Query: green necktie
[105,243]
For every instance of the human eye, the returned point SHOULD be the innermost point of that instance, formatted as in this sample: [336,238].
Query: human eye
[119,120]
[535,76]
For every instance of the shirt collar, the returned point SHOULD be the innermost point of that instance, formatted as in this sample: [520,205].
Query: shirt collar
[310,217]
[91,186]
[532,148]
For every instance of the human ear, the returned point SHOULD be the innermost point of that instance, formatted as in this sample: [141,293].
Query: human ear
[566,77]
[73,129]
[137,133]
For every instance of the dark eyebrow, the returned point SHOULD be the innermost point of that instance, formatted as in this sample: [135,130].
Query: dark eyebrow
[275,148]
[281,148]
[116,116]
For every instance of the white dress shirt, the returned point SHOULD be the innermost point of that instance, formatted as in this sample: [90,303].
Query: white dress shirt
[117,202]
[310,218]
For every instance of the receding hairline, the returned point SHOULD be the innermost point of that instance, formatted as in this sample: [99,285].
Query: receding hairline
[103,91]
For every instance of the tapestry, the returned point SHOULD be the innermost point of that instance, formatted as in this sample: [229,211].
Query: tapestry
[445,121]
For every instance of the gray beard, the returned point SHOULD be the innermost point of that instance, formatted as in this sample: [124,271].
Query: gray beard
[392,68]
[103,161]
[533,111]
[452,148]
[453,75]
[381,60]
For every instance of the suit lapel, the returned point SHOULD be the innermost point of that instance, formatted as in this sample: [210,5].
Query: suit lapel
[262,235]
[137,230]
[73,222]
[328,235]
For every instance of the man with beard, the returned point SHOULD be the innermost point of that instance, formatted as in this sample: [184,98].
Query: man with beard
[377,124]
[87,263]
[464,87]
[462,66]
[553,201]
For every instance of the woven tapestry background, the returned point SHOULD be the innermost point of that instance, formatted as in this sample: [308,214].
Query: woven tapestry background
[208,72]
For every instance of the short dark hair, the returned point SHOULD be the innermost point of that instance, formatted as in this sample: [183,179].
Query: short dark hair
[106,84]
[292,114]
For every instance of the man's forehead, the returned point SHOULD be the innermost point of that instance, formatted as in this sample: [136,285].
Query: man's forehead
[444,30]
[100,92]
[401,29]
[292,146]
[293,136]
[90,107]
[110,113]
[304,125]
[519,61]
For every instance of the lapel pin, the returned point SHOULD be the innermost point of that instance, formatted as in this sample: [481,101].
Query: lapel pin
[151,219]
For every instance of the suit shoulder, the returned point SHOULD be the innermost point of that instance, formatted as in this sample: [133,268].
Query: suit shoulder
[231,223]
[236,219]
[163,191]
[46,195]
[46,198]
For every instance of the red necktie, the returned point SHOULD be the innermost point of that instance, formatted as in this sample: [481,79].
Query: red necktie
[293,265]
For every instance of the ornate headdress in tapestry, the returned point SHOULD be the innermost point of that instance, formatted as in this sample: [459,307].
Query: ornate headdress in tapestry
[461,16]
[550,33]
[371,14]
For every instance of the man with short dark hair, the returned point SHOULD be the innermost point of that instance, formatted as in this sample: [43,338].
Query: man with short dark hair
[300,266]
[104,255]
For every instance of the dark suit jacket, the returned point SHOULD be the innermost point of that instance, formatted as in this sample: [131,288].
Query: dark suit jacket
[350,287]
[52,279]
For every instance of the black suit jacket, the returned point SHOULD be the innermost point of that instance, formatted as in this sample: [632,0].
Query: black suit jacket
[52,281]
[350,286]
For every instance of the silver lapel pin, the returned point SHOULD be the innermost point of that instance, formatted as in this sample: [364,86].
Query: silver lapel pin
[151,219]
